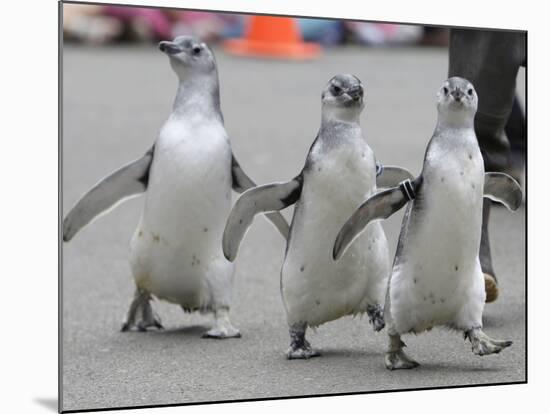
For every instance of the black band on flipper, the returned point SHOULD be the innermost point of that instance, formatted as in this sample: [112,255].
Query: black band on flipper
[408,189]
[379,169]
[144,179]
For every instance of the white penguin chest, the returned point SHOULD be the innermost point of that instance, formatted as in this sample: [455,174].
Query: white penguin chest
[317,289]
[436,274]
[190,180]
[177,245]
[335,184]
[452,192]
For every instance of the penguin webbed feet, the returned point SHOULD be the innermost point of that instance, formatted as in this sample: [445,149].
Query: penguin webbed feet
[141,316]
[141,326]
[304,351]
[376,317]
[483,345]
[399,360]
[222,333]
[300,348]
[223,328]
[396,358]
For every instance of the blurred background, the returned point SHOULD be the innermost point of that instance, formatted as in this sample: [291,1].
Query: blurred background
[104,24]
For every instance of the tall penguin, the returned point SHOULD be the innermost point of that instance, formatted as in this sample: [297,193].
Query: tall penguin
[339,172]
[187,177]
[437,278]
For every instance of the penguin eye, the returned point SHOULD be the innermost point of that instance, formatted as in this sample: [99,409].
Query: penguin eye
[336,90]
[196,50]
[445,90]
[470,91]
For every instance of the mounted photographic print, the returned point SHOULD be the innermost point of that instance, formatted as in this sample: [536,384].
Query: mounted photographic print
[259,207]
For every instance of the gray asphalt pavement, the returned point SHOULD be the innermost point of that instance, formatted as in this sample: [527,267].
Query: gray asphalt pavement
[115,100]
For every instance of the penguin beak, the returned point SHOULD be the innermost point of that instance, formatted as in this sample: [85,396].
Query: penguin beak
[355,93]
[457,94]
[169,48]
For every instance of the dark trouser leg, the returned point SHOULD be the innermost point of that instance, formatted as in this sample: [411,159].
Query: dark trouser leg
[485,247]
[490,60]
[491,287]
[516,132]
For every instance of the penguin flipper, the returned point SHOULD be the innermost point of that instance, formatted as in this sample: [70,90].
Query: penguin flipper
[380,206]
[127,181]
[504,189]
[269,197]
[242,182]
[391,176]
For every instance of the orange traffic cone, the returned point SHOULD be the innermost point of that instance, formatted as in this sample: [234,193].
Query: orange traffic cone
[276,37]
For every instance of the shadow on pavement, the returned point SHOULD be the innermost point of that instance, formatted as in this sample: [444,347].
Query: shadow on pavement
[49,403]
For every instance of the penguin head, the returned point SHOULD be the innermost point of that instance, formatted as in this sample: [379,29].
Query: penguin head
[188,56]
[342,98]
[456,97]
[343,91]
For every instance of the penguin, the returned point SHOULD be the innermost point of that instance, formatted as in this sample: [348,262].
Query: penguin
[340,170]
[187,177]
[436,278]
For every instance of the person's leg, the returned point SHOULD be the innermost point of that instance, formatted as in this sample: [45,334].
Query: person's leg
[490,60]
[516,133]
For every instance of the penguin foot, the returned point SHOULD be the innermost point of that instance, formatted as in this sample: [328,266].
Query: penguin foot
[396,358]
[299,346]
[376,317]
[399,360]
[141,316]
[491,288]
[301,352]
[222,328]
[218,332]
[141,326]
[482,344]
